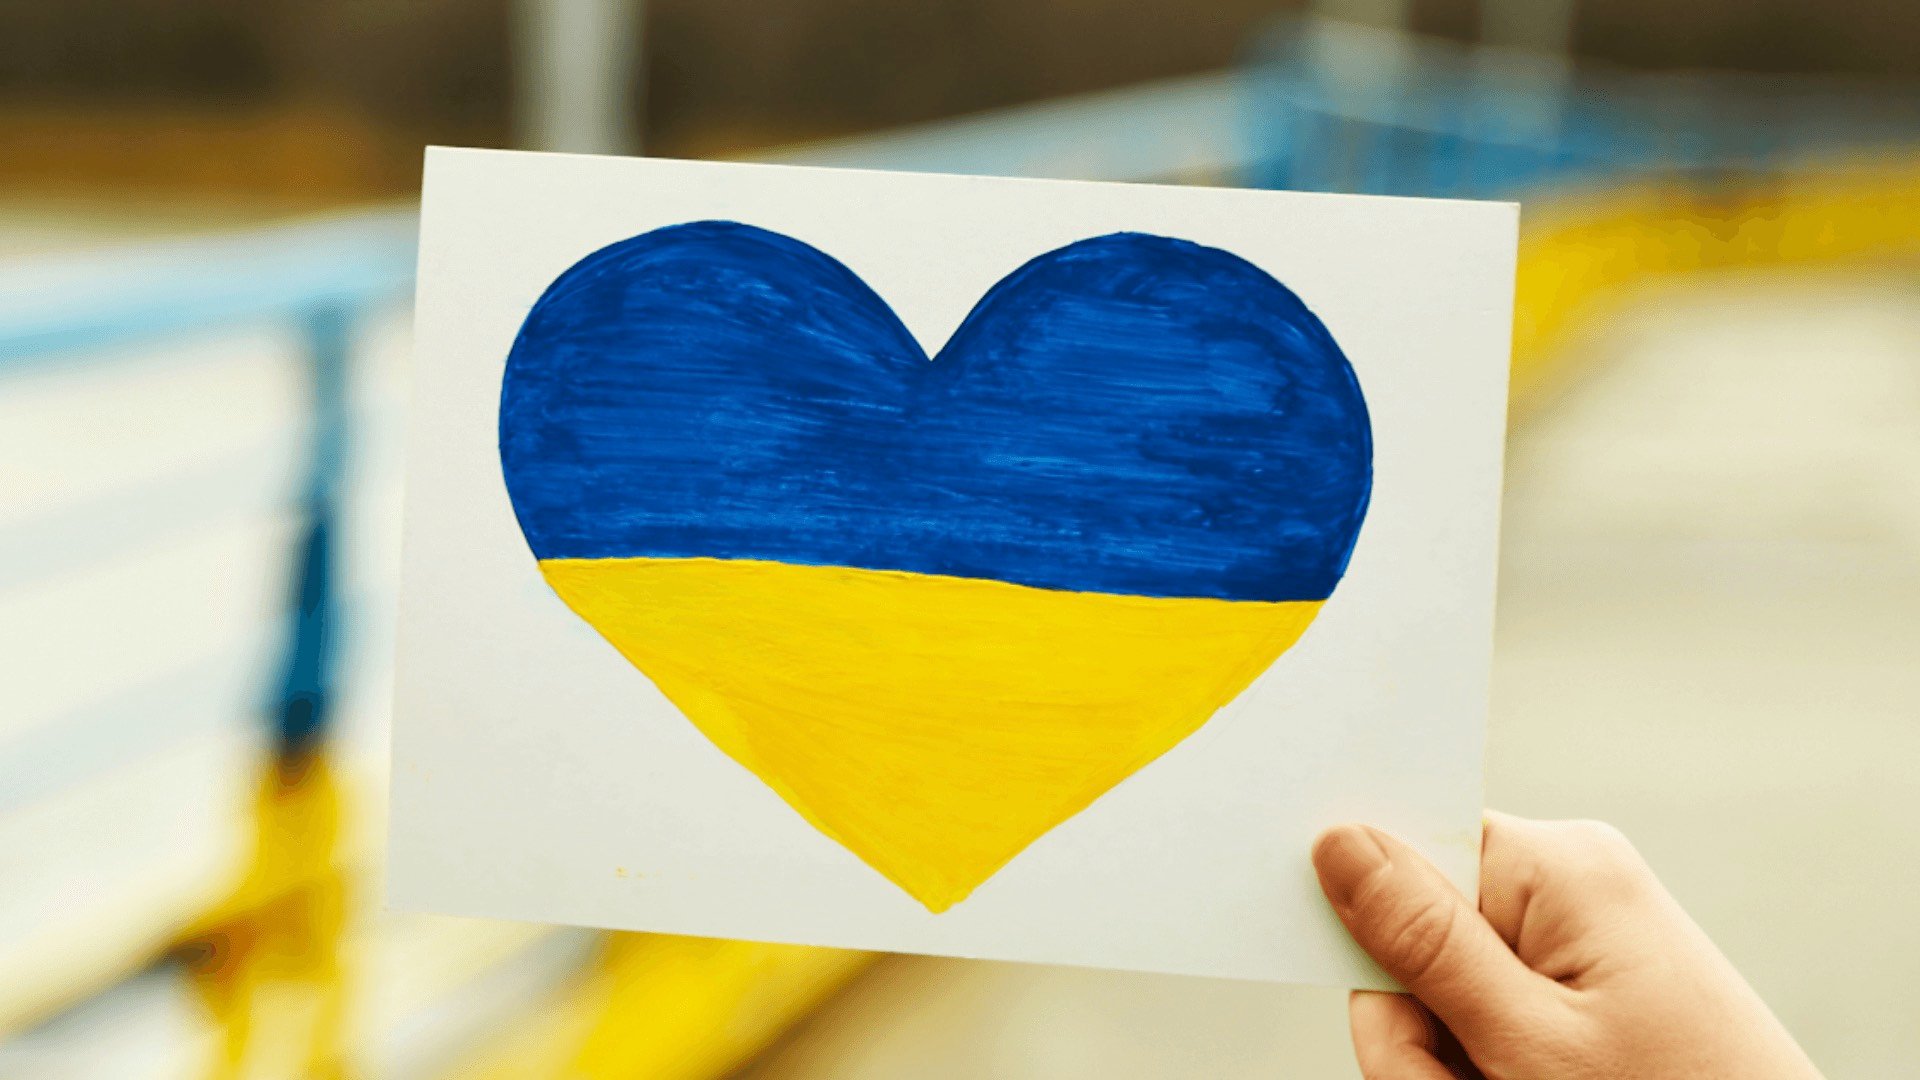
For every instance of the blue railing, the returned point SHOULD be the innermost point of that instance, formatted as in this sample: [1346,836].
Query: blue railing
[1334,107]
[323,277]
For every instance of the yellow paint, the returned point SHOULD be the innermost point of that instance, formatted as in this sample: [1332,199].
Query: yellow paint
[934,726]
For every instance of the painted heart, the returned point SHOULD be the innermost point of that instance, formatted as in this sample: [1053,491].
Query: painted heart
[939,606]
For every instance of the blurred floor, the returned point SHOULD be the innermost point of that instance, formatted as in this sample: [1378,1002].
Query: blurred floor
[1709,634]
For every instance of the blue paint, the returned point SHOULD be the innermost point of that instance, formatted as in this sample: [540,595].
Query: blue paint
[1128,414]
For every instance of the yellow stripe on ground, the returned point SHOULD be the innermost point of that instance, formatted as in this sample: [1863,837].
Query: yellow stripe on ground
[269,962]
[935,726]
[1582,251]
[664,1008]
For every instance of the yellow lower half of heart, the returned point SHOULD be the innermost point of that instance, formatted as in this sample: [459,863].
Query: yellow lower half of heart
[934,726]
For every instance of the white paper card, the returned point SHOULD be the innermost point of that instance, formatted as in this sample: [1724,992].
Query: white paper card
[1010,569]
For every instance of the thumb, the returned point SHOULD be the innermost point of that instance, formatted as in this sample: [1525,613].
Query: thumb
[1418,927]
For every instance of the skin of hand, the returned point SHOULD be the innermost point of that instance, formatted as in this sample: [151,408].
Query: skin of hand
[1577,966]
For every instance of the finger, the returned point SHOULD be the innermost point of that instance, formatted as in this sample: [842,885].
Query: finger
[1393,1038]
[1549,885]
[1418,927]
[1510,872]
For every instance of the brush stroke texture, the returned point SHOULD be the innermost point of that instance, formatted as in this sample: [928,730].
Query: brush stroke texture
[1129,414]
[933,726]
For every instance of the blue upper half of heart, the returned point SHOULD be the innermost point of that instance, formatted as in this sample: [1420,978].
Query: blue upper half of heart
[1128,414]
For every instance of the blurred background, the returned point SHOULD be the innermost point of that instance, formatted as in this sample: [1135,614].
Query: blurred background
[1709,622]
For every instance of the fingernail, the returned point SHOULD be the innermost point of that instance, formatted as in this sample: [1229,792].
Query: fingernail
[1345,856]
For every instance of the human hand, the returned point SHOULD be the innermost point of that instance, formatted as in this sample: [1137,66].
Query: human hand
[1577,966]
